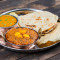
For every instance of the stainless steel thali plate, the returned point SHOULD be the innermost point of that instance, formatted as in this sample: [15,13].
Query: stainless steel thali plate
[24,11]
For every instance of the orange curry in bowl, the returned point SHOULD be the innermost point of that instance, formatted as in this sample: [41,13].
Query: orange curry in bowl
[7,21]
[21,36]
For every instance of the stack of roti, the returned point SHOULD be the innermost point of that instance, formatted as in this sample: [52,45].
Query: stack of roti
[36,20]
[45,20]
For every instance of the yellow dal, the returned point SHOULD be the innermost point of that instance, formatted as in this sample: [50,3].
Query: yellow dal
[7,21]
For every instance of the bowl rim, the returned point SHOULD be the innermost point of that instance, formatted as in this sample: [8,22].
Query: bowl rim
[21,45]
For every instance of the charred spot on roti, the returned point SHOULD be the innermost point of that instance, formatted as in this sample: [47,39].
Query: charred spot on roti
[47,19]
[31,25]
[42,25]
[27,23]
[39,18]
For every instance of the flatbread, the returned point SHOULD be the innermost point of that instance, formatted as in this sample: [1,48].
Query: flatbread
[36,20]
[52,36]
[13,14]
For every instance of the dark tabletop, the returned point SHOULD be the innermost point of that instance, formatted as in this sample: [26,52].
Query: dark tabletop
[49,5]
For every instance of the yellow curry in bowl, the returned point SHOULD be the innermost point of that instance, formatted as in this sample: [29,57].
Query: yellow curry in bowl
[21,36]
[7,21]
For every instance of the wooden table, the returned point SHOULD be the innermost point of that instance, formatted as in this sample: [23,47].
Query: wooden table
[49,5]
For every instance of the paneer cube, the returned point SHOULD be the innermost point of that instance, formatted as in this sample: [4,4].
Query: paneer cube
[17,34]
[26,36]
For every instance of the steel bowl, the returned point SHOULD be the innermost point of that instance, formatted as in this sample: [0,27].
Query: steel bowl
[29,46]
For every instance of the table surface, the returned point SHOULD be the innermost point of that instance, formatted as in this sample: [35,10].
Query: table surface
[49,5]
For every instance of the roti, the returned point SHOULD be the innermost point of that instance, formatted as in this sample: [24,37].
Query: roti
[52,36]
[36,20]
